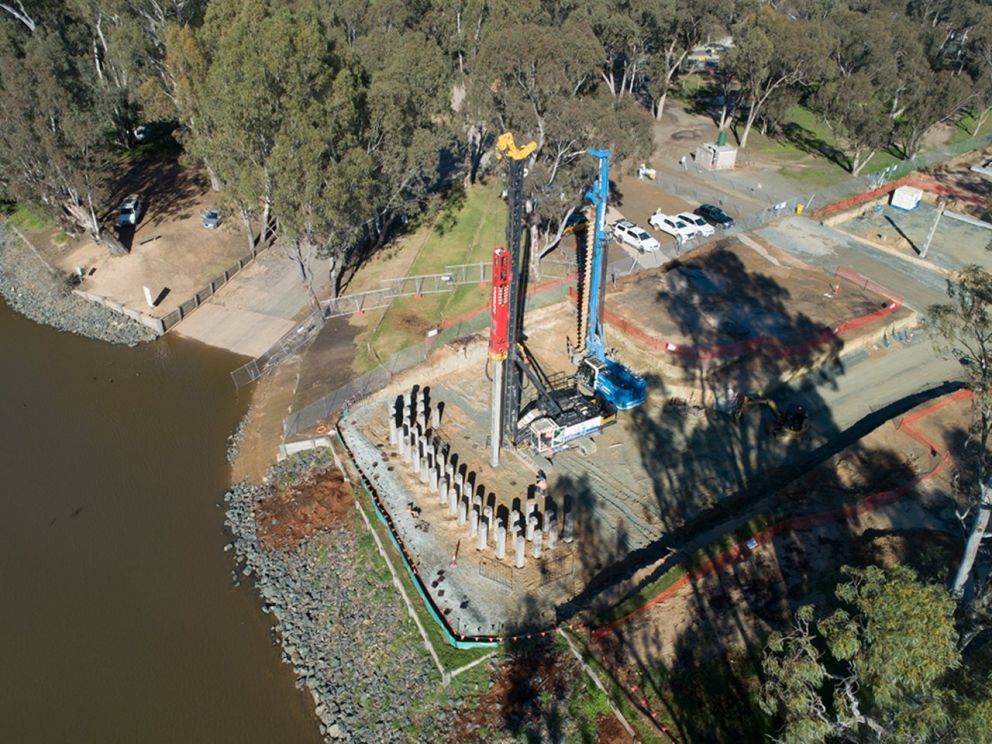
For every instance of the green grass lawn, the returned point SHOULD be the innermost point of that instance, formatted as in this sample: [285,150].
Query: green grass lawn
[470,225]
[966,126]
[30,218]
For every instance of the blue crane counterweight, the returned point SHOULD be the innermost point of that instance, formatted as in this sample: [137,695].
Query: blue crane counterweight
[597,372]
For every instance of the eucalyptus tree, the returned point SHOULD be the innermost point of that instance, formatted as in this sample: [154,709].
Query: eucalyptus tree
[875,669]
[544,83]
[773,52]
[963,328]
[52,144]
[681,26]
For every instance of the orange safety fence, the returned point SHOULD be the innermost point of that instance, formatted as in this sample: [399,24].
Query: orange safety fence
[869,503]
[766,343]
[915,180]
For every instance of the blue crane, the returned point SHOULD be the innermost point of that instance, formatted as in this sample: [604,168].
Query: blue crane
[597,372]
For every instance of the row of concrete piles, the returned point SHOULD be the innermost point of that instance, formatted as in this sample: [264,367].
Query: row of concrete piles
[413,423]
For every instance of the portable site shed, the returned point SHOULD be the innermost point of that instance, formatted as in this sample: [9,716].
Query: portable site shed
[906,197]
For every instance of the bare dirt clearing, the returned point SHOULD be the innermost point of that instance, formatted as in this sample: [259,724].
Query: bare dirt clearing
[183,256]
[294,514]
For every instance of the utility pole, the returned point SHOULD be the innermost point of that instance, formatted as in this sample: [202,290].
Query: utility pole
[933,229]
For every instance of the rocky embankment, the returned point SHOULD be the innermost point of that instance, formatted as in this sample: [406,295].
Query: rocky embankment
[340,622]
[31,288]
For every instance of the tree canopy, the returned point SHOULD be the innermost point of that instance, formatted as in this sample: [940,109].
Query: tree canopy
[963,327]
[883,666]
[388,101]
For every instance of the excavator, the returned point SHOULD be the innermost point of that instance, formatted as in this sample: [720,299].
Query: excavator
[793,424]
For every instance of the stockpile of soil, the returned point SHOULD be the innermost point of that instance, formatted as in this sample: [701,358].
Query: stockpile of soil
[301,511]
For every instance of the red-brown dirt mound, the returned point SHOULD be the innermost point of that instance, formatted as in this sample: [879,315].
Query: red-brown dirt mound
[286,519]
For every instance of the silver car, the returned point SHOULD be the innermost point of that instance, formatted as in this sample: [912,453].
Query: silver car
[211,218]
[130,211]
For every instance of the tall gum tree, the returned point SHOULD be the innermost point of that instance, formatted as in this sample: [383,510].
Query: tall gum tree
[52,145]
[771,52]
[963,327]
[681,26]
[544,84]
[873,670]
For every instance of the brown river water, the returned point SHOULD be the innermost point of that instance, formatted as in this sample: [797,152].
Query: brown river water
[119,619]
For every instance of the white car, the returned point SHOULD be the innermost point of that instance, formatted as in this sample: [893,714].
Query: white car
[630,234]
[672,225]
[703,227]
[130,211]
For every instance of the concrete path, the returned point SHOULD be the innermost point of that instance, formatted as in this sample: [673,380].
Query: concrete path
[259,305]
[871,383]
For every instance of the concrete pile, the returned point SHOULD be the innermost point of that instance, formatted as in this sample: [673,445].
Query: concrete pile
[488,525]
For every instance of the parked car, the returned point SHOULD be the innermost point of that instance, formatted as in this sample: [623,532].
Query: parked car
[672,225]
[130,211]
[703,227]
[211,218]
[628,233]
[715,216]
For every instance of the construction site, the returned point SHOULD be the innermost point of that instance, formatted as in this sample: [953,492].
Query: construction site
[536,474]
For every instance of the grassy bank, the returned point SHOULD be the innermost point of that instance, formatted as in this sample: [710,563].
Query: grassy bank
[466,230]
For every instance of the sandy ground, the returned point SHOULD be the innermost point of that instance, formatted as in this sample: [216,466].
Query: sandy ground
[270,402]
[737,605]
[481,594]
[958,175]
[731,292]
[181,257]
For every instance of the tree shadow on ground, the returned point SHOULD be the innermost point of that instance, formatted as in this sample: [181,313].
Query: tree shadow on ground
[714,481]
[968,180]
[810,142]
[168,188]
[695,658]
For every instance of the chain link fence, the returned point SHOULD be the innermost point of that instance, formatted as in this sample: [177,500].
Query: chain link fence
[289,343]
[321,410]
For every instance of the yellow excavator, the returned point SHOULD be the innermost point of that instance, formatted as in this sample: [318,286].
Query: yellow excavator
[794,423]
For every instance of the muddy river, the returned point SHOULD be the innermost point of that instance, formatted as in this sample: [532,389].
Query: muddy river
[120,622]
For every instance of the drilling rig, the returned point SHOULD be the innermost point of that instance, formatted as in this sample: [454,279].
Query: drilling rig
[597,372]
[558,413]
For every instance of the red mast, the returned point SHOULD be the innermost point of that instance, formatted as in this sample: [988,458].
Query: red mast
[499,305]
